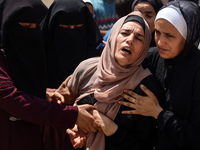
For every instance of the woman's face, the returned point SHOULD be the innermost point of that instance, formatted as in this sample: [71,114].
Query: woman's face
[129,43]
[168,39]
[148,12]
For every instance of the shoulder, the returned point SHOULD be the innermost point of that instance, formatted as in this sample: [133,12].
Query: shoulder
[85,69]
[87,64]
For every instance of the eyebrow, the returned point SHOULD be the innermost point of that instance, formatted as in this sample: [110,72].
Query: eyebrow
[164,32]
[128,30]
[148,12]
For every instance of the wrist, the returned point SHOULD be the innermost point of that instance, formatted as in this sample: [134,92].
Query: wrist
[157,112]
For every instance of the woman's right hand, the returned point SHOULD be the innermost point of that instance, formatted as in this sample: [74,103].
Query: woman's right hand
[142,105]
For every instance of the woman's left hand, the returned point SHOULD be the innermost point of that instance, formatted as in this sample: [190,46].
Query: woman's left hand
[142,105]
[77,137]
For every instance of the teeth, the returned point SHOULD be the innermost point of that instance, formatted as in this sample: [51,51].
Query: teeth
[127,50]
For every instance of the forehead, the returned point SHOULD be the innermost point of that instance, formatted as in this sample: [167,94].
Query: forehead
[143,6]
[165,26]
[132,25]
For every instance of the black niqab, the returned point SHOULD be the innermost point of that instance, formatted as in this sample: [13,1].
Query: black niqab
[23,47]
[65,47]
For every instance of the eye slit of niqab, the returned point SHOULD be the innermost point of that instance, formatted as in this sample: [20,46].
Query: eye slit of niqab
[28,25]
[71,26]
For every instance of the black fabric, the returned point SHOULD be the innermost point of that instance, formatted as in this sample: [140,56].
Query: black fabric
[23,46]
[134,131]
[179,122]
[156,4]
[135,18]
[66,48]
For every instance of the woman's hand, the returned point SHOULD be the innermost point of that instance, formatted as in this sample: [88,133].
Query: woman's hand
[69,97]
[77,137]
[53,96]
[107,125]
[143,105]
[62,95]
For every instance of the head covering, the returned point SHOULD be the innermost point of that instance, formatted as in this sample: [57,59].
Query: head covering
[191,15]
[23,46]
[156,4]
[107,79]
[88,1]
[65,47]
[177,20]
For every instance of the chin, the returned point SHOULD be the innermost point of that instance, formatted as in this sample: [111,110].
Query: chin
[164,55]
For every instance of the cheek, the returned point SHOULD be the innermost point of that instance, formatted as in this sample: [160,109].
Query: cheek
[150,22]
[178,46]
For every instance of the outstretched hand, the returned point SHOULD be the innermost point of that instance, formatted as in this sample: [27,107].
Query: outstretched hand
[142,105]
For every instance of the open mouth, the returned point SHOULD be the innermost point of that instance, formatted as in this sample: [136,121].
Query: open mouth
[126,50]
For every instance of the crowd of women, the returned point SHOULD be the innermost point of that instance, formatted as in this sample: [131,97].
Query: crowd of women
[59,92]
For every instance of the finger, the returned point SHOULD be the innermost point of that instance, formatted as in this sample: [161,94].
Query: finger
[147,91]
[59,102]
[76,145]
[129,112]
[60,97]
[131,93]
[127,104]
[82,142]
[68,78]
[98,126]
[89,107]
[129,98]
[70,133]
[84,130]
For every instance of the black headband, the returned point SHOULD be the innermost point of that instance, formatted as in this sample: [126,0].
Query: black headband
[135,18]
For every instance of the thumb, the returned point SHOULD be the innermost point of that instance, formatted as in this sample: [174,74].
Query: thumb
[89,107]
[71,133]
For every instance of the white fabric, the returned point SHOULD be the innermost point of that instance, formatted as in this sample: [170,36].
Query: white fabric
[175,17]
[88,1]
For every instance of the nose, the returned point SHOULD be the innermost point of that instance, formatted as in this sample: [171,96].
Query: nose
[160,40]
[130,39]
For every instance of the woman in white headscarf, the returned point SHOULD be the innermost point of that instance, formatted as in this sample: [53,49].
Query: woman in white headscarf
[176,64]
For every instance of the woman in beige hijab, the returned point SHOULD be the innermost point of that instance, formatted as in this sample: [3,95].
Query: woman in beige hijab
[100,81]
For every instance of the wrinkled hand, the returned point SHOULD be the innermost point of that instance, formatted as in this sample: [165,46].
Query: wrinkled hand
[62,95]
[85,121]
[53,96]
[107,125]
[69,97]
[77,137]
[143,105]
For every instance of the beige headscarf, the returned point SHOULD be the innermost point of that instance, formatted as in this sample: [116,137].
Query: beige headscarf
[107,79]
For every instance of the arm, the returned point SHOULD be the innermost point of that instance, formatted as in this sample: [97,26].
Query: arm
[40,111]
[179,131]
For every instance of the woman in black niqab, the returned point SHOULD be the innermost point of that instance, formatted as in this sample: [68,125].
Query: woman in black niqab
[23,46]
[67,46]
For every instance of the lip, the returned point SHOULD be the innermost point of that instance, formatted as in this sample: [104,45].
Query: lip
[126,52]
[162,49]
